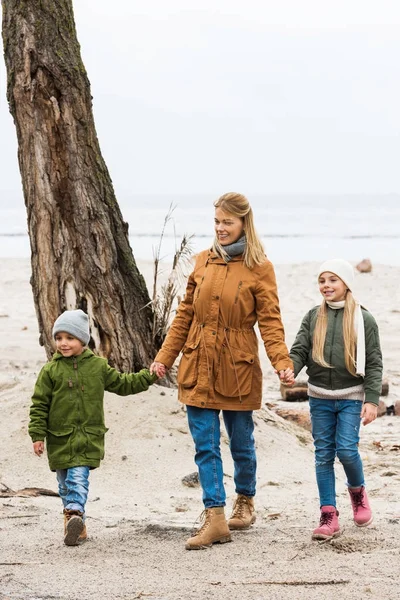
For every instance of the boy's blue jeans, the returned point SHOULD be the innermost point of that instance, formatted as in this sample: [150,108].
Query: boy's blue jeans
[204,426]
[335,429]
[73,487]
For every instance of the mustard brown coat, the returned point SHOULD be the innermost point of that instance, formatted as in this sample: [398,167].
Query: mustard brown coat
[214,329]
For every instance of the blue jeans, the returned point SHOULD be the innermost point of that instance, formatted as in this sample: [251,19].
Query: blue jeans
[204,426]
[73,487]
[335,429]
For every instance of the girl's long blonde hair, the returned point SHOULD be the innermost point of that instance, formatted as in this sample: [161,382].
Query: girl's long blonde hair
[238,206]
[349,336]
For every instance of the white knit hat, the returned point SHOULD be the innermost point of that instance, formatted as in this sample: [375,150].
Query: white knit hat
[75,322]
[341,268]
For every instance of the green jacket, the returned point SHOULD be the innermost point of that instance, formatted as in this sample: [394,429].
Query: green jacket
[67,407]
[338,377]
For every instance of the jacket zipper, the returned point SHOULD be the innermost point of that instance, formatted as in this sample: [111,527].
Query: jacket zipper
[238,291]
[199,288]
[77,392]
[332,340]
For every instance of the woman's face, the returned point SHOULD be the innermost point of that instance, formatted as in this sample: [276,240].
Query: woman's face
[228,228]
[332,287]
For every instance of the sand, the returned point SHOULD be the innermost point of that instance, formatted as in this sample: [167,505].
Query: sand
[140,513]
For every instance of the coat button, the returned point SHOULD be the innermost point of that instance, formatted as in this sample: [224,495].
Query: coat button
[217,297]
[203,403]
[214,332]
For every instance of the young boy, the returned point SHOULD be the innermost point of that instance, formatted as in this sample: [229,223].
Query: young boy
[67,411]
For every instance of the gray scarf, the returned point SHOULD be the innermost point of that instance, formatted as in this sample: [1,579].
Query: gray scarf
[235,249]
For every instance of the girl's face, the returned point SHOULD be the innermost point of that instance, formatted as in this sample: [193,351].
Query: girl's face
[332,287]
[67,344]
[228,228]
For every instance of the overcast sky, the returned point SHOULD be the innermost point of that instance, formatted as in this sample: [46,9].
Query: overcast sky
[267,96]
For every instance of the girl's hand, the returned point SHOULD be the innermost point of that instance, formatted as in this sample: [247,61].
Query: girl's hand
[38,448]
[159,369]
[369,413]
[286,376]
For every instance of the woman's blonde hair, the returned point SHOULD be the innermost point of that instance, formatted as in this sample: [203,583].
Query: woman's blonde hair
[238,206]
[349,336]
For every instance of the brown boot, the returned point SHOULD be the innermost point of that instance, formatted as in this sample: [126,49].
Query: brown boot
[243,513]
[74,527]
[214,529]
[83,535]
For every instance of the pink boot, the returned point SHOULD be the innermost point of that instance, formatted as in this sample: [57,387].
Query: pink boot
[361,510]
[328,524]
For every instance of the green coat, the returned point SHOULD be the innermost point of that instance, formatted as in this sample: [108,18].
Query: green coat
[67,407]
[338,377]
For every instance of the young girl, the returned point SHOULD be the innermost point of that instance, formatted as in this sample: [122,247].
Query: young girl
[67,411]
[338,341]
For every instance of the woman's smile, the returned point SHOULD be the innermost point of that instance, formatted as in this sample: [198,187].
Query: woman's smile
[228,228]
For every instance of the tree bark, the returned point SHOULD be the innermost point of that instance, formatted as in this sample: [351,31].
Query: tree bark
[80,252]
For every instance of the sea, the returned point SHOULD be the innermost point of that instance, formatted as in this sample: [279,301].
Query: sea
[294,229]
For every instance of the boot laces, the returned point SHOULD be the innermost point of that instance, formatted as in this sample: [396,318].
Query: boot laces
[326,518]
[204,522]
[239,507]
[72,513]
[358,499]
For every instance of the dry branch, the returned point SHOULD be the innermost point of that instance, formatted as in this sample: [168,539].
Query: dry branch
[6,492]
[294,583]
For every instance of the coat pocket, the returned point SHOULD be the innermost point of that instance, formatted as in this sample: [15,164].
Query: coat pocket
[235,372]
[95,441]
[189,365]
[59,446]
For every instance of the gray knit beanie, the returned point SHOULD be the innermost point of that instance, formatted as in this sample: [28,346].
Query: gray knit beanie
[76,323]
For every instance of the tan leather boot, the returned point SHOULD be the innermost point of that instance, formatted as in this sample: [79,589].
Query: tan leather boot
[74,527]
[243,514]
[214,529]
[83,535]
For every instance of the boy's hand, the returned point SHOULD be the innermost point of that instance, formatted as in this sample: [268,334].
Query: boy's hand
[159,369]
[286,376]
[38,448]
[369,413]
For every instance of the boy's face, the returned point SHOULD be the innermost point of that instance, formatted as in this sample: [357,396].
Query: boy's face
[67,344]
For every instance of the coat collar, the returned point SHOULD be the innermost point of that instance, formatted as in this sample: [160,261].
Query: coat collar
[214,258]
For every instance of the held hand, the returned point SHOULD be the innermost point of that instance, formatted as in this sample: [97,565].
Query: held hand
[38,448]
[286,376]
[369,413]
[159,369]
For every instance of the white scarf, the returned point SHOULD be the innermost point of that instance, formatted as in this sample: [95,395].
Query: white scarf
[360,335]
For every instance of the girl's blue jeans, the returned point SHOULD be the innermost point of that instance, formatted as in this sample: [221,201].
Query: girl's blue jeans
[204,425]
[73,487]
[335,429]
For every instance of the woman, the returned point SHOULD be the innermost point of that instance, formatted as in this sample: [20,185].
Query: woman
[231,288]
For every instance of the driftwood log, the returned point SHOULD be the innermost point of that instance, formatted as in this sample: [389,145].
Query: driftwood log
[300,417]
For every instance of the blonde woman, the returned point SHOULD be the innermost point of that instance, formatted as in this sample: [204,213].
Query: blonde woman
[231,288]
[339,343]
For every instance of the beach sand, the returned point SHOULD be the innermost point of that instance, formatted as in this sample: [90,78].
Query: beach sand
[140,513]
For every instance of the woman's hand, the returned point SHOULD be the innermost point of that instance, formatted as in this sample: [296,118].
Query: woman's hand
[38,448]
[369,413]
[286,376]
[159,369]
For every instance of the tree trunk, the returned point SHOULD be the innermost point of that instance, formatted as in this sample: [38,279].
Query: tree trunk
[80,252]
